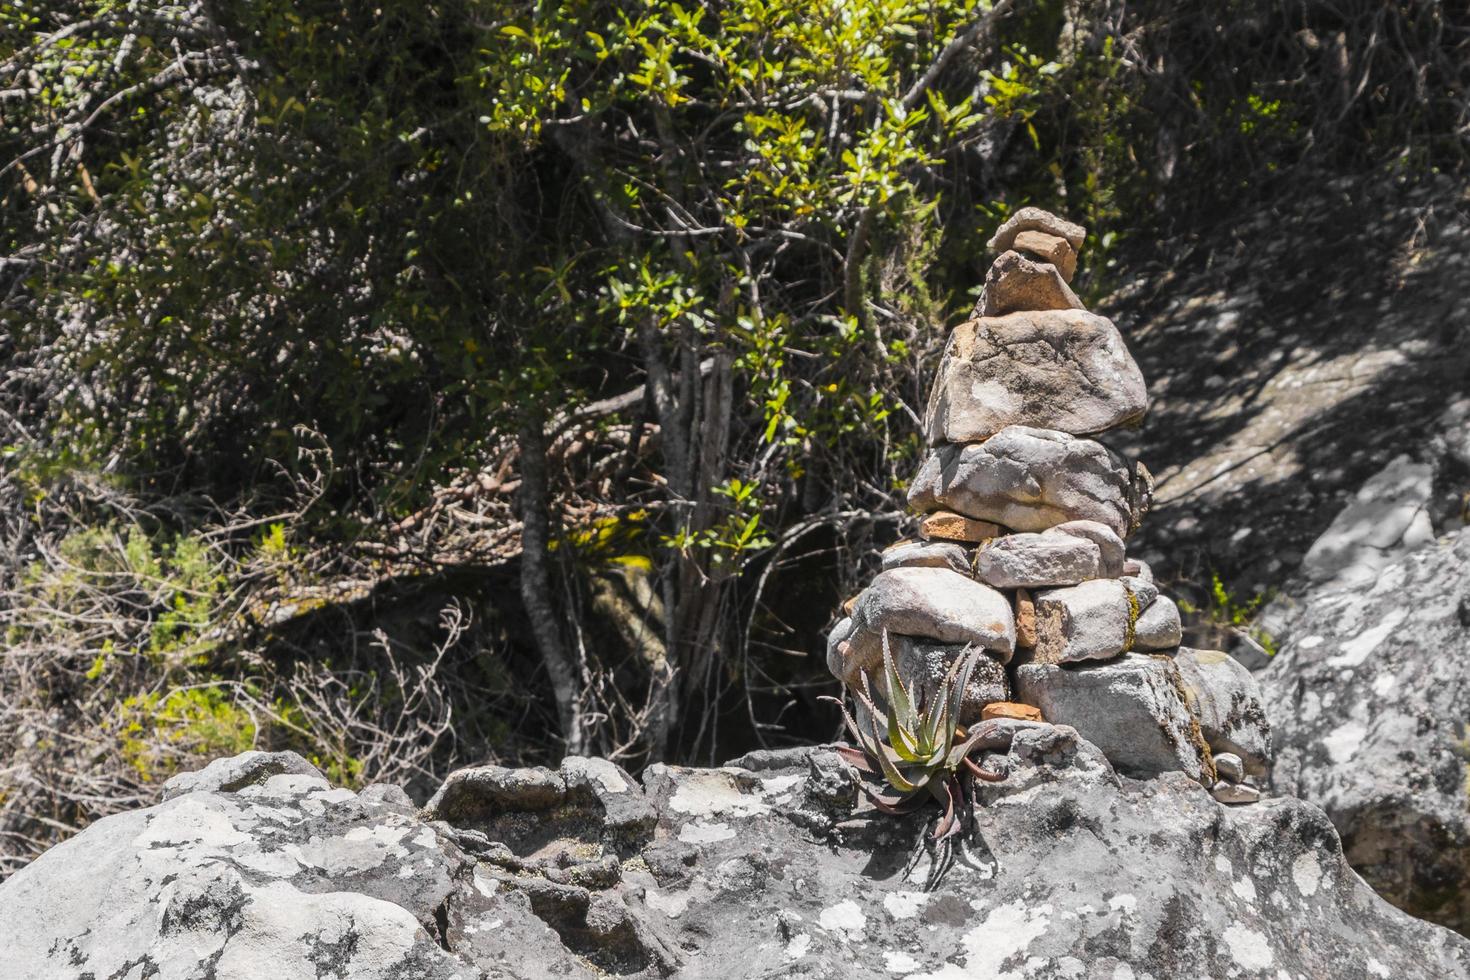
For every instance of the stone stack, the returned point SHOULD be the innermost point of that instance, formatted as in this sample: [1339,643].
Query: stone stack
[1024,515]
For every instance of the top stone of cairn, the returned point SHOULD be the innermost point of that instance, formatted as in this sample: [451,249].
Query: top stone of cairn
[1035,219]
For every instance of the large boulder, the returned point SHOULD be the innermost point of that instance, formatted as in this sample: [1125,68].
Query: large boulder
[1388,515]
[1063,369]
[1031,479]
[1132,708]
[768,868]
[1369,698]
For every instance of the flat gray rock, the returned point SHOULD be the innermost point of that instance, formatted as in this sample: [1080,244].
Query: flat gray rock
[1062,369]
[1131,708]
[927,554]
[1029,561]
[937,604]
[1032,479]
[771,868]
[1227,702]
[1368,700]
[1090,621]
[1018,282]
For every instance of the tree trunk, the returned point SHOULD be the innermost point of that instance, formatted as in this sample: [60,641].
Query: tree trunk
[536,590]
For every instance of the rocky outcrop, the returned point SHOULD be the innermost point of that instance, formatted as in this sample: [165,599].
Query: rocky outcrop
[765,868]
[1369,698]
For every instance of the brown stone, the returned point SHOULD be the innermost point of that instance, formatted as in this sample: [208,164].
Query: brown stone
[848,606]
[1017,284]
[1035,219]
[1025,620]
[1049,248]
[944,525]
[1010,709]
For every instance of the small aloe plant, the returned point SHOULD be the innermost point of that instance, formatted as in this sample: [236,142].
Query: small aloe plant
[911,747]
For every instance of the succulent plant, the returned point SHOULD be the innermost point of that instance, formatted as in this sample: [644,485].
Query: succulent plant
[911,747]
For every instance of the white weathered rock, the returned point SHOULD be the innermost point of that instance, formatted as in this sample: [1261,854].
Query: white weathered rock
[938,604]
[236,772]
[1017,282]
[1032,479]
[1110,546]
[1227,702]
[927,554]
[1090,621]
[1229,766]
[1082,876]
[1030,561]
[1388,516]
[1235,793]
[1036,219]
[924,665]
[1369,698]
[1158,626]
[1062,369]
[1130,708]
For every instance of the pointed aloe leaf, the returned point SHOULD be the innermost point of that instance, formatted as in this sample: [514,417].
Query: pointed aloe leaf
[891,773]
[901,740]
[898,694]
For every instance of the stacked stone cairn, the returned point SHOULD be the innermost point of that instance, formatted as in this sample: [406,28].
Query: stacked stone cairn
[1023,518]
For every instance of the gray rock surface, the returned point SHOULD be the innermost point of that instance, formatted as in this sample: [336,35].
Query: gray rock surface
[761,870]
[1090,621]
[1030,561]
[938,604]
[1227,701]
[236,772]
[1017,282]
[1158,626]
[1387,517]
[927,554]
[1110,546]
[1368,698]
[1131,708]
[1029,480]
[1062,369]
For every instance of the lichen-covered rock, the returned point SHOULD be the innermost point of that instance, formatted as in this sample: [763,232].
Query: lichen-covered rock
[234,773]
[769,868]
[1062,369]
[938,604]
[1388,516]
[1031,479]
[1227,702]
[1132,708]
[1031,561]
[1017,282]
[1368,698]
